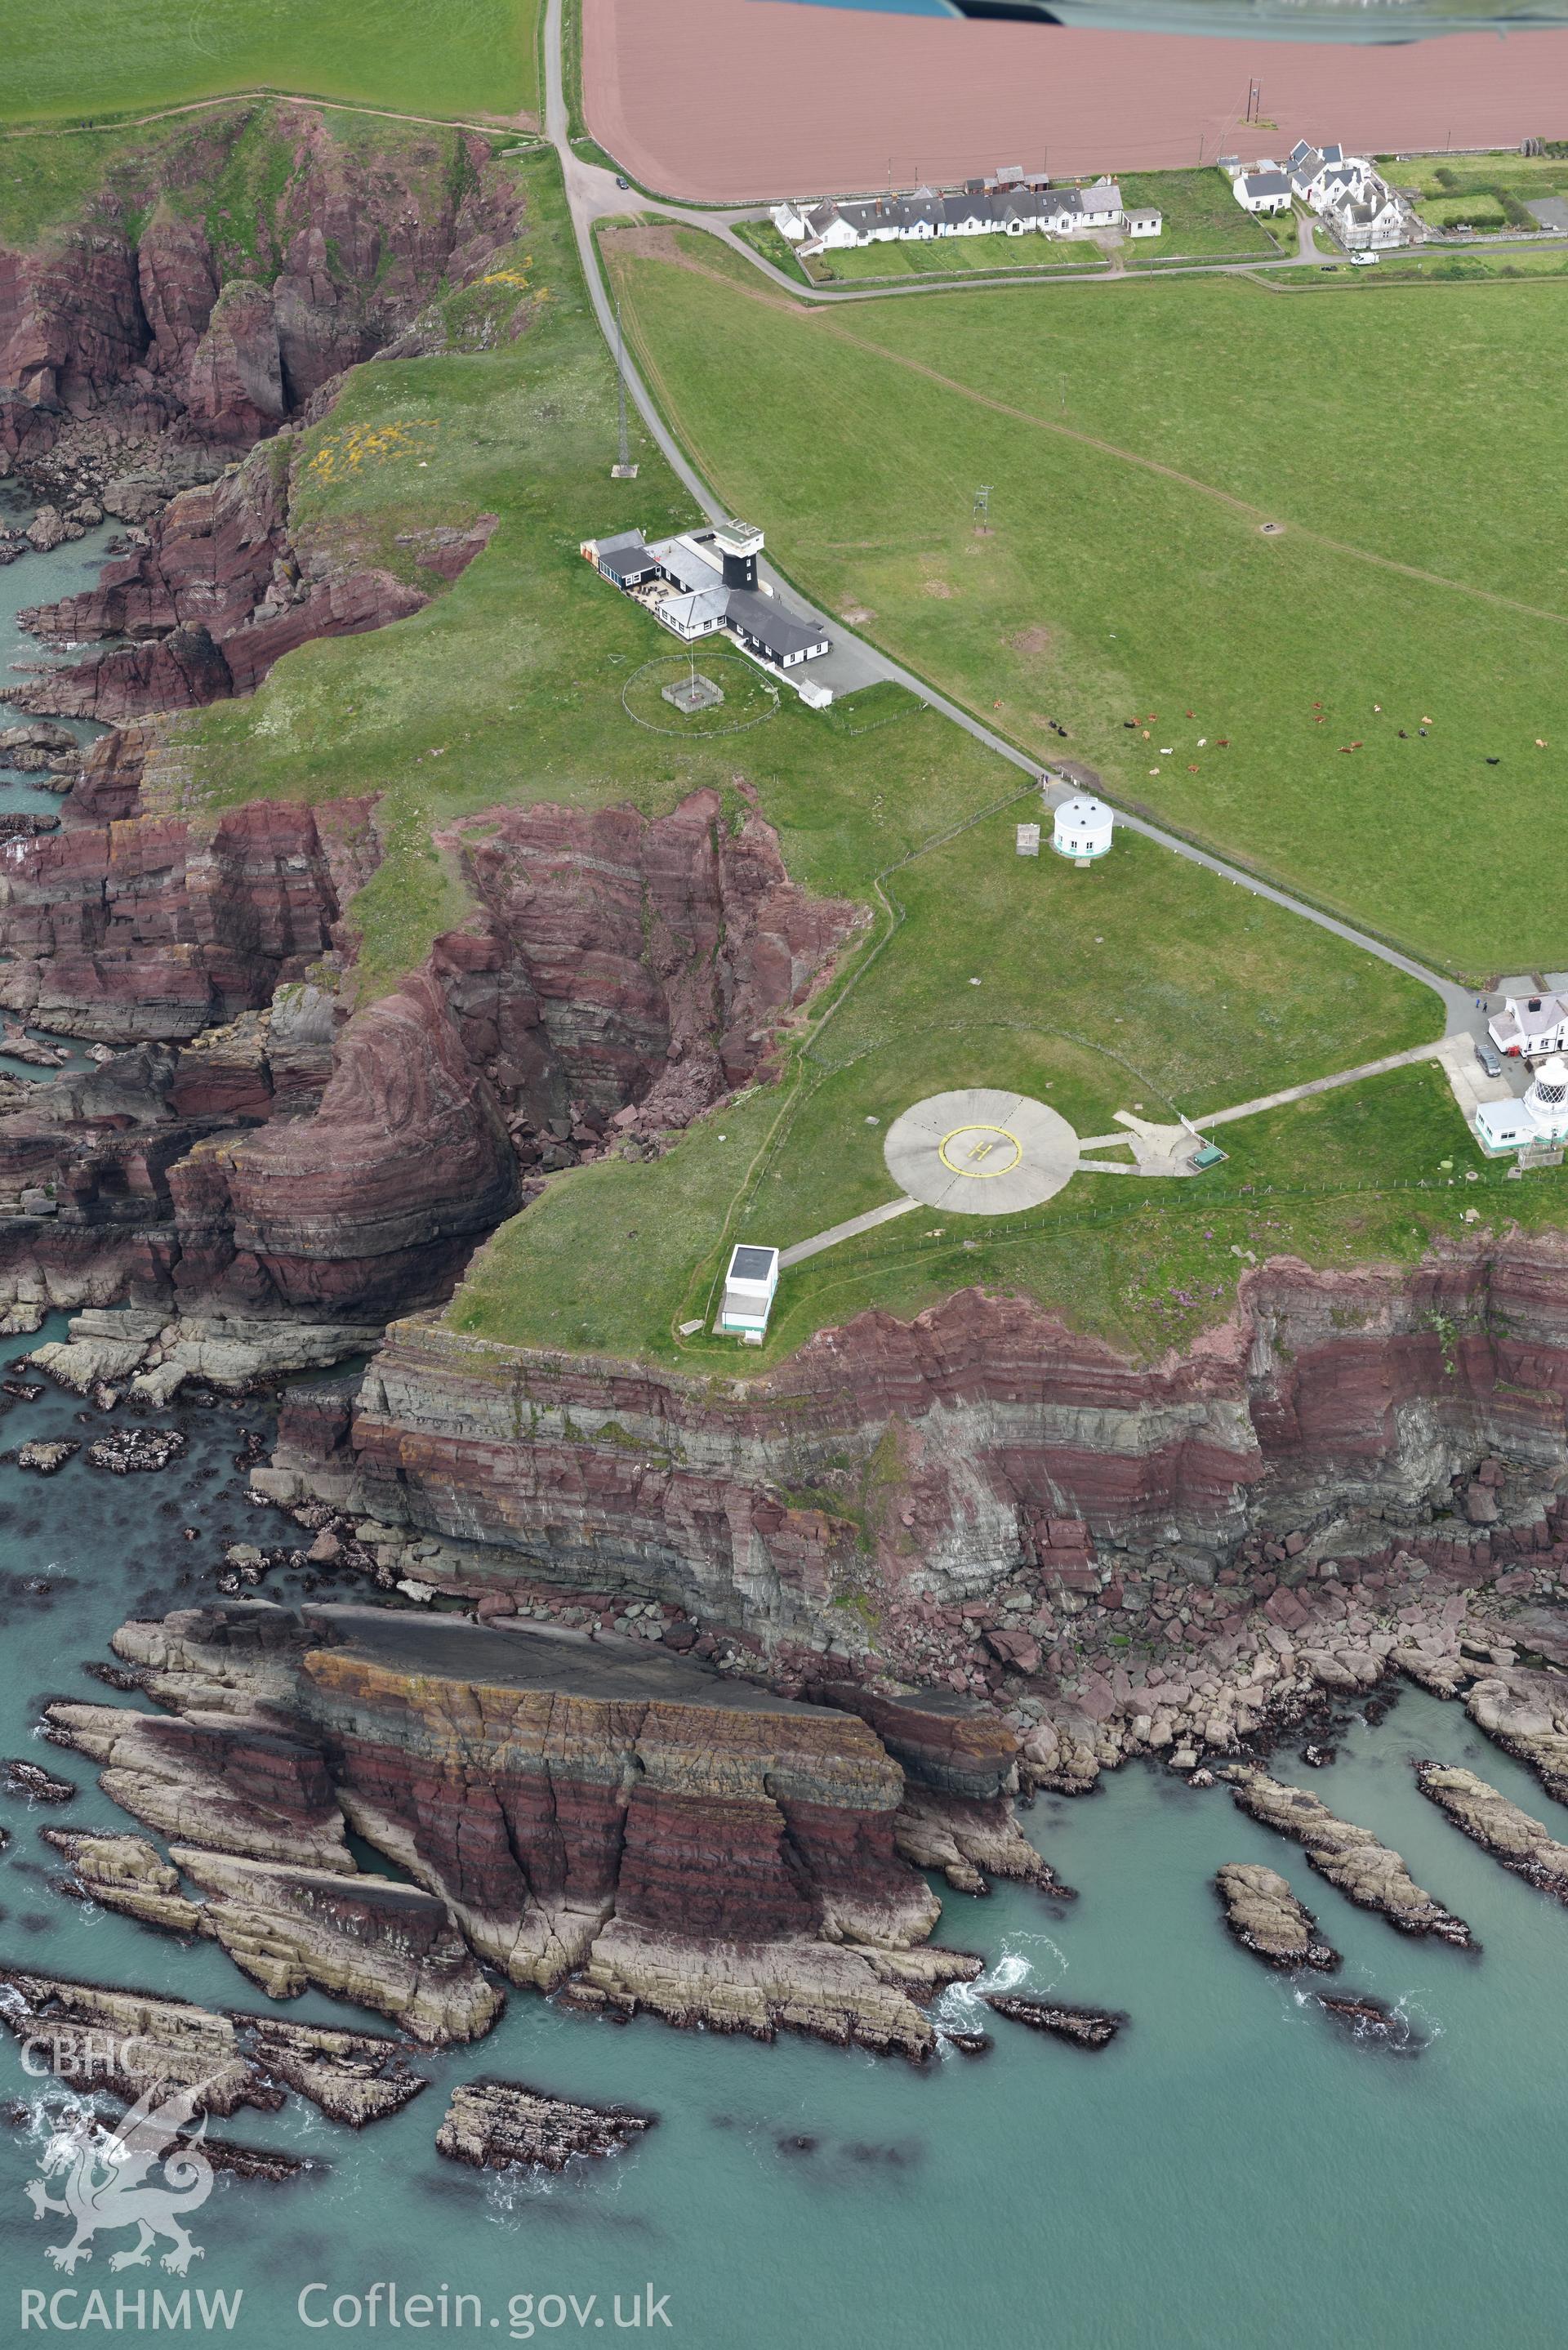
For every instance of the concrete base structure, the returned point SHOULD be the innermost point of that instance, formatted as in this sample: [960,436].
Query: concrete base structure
[981,1152]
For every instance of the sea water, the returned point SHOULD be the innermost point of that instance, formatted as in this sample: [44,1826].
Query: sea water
[1233,2173]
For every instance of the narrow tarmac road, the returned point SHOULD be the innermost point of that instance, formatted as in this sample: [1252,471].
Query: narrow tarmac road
[592,194]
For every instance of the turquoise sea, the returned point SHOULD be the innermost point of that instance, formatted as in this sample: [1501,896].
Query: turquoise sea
[1231,2175]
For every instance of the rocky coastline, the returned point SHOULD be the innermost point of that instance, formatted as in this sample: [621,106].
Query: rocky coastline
[595,1815]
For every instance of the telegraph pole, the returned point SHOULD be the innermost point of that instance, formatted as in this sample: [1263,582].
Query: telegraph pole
[623,470]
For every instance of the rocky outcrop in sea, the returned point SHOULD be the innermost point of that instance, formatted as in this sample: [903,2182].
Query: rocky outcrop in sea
[1490,1819]
[1266,1918]
[1351,1857]
[502,2125]
[125,2042]
[599,1814]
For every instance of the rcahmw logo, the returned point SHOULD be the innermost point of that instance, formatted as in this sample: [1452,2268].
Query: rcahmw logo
[145,2173]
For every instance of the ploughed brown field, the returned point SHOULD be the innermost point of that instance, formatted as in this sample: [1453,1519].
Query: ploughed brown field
[735,100]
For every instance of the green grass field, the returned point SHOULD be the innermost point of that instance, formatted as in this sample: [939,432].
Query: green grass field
[1203,220]
[1483,192]
[956,256]
[1419,579]
[1142,981]
[71,63]
[1378,1172]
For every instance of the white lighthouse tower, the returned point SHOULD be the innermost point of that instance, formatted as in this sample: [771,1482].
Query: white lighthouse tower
[1546,1102]
[1539,1116]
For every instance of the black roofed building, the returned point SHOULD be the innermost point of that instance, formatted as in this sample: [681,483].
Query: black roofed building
[628,559]
[706,580]
[766,627]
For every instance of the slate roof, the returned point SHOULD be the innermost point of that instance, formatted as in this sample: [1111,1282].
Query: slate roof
[780,631]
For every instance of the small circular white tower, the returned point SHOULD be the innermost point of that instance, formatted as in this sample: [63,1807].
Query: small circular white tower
[1546,1102]
[1083,828]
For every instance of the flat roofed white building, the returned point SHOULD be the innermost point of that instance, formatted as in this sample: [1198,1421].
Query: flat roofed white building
[1083,827]
[750,1285]
[1542,1116]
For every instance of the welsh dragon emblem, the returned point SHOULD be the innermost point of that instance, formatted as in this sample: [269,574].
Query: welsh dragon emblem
[106,2182]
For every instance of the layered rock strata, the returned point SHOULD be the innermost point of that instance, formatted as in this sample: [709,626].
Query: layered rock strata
[1351,1857]
[126,2042]
[1020,1444]
[960,1761]
[1490,1819]
[377,1944]
[1127,1558]
[584,1809]
[260,1155]
[231,1782]
[1266,1918]
[496,2124]
[364,1939]
[226,585]
[127,1873]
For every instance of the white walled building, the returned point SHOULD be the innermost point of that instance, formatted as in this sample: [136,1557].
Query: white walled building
[1145,222]
[705,581]
[1350,195]
[750,1284]
[1530,1027]
[1541,1115]
[1083,828]
[1266,190]
[1010,203]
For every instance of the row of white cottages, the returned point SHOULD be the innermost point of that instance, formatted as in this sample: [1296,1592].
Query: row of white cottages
[1347,192]
[1012,204]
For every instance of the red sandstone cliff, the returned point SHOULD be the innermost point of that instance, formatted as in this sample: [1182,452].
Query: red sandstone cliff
[1021,1454]
[584,1809]
[219,337]
[618,974]
[225,588]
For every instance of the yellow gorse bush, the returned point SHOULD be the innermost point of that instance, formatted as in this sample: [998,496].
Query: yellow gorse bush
[349,451]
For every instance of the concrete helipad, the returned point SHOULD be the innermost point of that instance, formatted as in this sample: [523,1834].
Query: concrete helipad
[981,1153]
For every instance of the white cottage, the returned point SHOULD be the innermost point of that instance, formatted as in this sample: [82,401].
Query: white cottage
[1530,1027]
[1083,828]
[1144,221]
[1263,192]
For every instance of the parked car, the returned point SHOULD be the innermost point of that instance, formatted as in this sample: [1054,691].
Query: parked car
[1363,261]
[621,183]
[1489,1056]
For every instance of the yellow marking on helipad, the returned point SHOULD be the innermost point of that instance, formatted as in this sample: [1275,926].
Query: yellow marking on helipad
[980,1151]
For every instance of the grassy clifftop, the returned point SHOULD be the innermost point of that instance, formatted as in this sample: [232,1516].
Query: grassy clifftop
[1369,699]
[75,63]
[1145,982]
